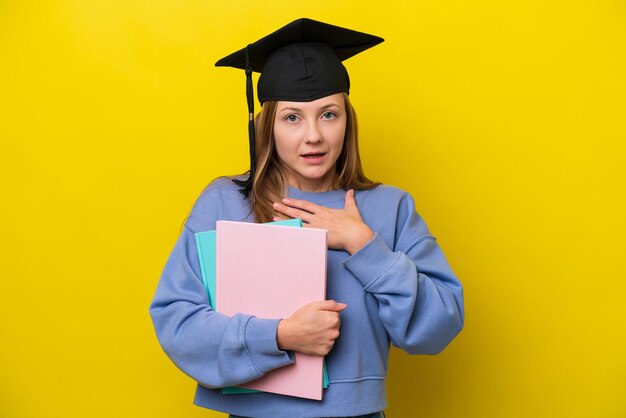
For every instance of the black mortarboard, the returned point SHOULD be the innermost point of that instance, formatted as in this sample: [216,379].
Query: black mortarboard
[300,62]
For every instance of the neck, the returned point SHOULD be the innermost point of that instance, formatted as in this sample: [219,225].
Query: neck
[314,185]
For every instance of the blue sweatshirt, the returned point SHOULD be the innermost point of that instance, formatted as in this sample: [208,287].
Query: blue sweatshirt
[399,289]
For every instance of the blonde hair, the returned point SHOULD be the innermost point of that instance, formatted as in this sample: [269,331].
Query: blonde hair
[270,184]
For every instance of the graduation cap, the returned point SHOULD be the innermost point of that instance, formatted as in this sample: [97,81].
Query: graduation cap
[299,62]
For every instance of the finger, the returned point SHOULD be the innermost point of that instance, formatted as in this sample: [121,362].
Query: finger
[331,305]
[301,204]
[350,202]
[280,218]
[292,212]
[325,305]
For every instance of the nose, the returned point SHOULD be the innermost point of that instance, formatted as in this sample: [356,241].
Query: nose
[313,133]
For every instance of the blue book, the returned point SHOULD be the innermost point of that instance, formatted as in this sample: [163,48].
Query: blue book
[205,242]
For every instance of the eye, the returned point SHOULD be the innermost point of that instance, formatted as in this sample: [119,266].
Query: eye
[328,115]
[291,118]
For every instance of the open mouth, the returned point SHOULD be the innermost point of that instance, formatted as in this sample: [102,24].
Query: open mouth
[313,156]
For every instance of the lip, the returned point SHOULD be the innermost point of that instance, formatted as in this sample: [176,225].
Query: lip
[313,157]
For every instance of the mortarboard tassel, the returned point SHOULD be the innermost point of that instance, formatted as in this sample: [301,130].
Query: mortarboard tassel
[246,185]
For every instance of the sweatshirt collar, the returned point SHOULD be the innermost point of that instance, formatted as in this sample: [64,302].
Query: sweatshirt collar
[317,197]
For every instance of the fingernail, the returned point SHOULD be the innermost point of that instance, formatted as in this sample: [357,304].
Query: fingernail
[276,205]
[285,200]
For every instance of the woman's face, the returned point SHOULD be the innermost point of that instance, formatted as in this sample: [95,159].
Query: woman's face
[309,138]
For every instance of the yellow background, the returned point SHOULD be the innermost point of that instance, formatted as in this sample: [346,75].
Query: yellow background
[505,120]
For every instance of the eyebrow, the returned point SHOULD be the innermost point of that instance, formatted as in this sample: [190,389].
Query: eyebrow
[297,109]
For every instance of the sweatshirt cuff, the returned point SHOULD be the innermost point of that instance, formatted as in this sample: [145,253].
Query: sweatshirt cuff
[371,261]
[260,341]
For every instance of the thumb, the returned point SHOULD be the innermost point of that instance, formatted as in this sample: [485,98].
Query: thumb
[350,202]
[331,305]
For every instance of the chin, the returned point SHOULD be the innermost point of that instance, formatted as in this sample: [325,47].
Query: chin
[314,175]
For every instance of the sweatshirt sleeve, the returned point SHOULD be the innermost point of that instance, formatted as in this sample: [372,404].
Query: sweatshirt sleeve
[214,349]
[420,298]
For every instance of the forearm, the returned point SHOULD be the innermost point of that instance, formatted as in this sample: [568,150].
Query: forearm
[420,299]
[214,349]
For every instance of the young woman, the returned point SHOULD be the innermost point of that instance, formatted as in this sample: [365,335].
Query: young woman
[387,279]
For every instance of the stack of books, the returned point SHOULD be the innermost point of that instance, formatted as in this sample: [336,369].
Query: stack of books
[269,271]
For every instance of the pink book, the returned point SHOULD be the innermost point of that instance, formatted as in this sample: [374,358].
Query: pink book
[271,271]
